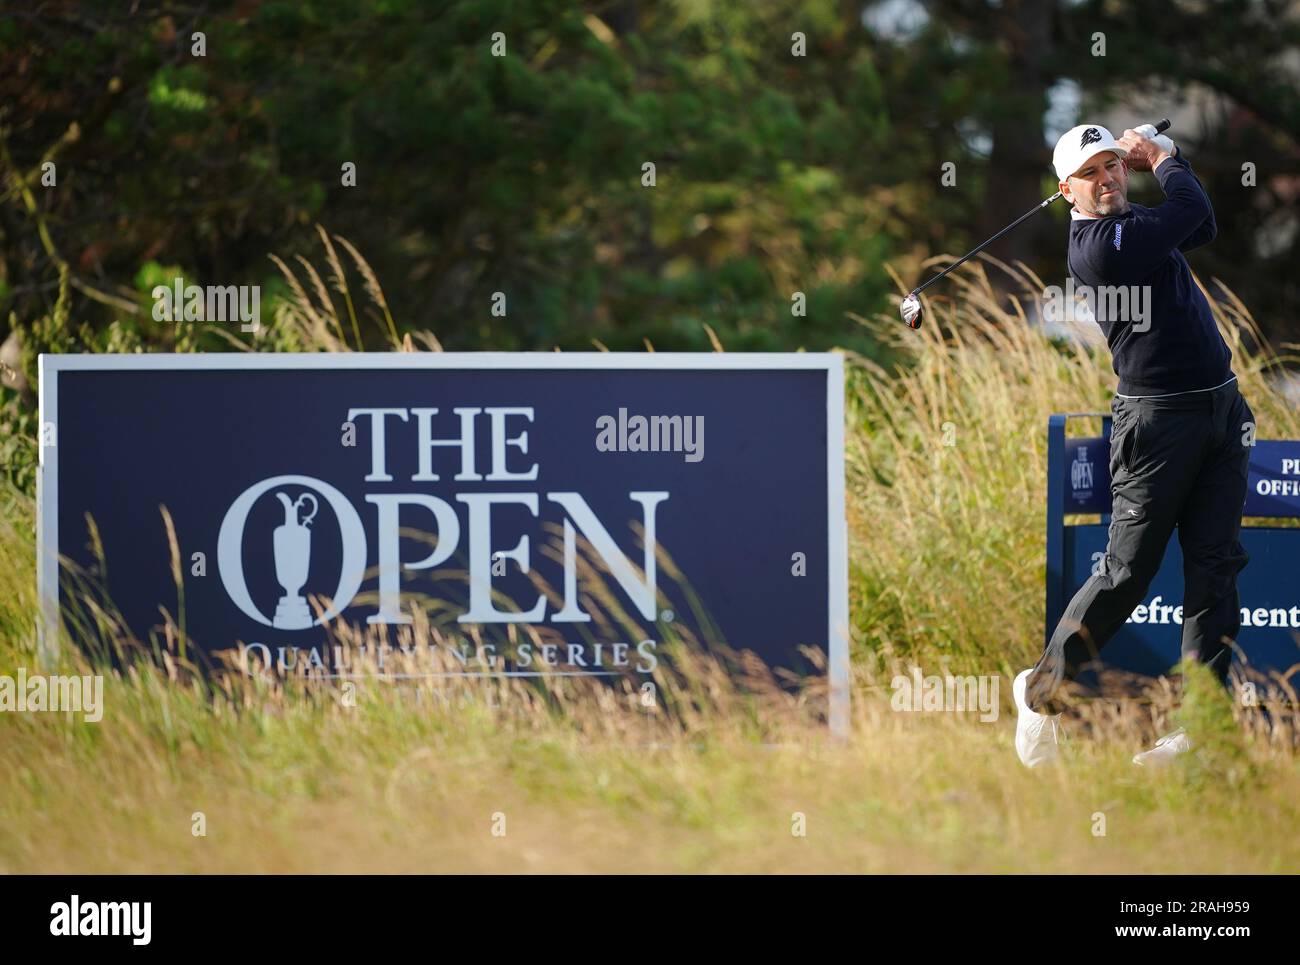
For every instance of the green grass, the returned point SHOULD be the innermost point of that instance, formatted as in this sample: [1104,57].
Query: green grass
[946,571]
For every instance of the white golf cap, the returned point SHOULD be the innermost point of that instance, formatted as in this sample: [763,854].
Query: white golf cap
[1078,144]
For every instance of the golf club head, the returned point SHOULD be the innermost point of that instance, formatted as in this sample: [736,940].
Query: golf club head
[910,309]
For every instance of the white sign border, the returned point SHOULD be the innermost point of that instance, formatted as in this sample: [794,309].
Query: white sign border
[832,363]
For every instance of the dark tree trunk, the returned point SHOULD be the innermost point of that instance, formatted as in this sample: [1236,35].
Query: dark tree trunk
[1020,159]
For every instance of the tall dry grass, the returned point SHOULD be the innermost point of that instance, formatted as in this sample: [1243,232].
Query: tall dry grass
[946,543]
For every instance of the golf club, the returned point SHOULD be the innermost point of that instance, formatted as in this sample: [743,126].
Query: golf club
[911,304]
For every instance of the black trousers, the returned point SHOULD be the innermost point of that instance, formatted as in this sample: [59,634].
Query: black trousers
[1175,461]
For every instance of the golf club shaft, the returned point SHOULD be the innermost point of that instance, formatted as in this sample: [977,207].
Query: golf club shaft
[1163,125]
[976,250]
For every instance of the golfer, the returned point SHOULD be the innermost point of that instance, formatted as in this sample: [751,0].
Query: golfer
[1179,445]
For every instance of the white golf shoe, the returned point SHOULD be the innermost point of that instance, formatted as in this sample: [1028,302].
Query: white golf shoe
[1166,749]
[1038,736]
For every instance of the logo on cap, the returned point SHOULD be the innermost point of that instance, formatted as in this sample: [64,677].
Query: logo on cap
[1090,136]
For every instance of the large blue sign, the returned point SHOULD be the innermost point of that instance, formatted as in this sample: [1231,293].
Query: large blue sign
[1150,641]
[545,513]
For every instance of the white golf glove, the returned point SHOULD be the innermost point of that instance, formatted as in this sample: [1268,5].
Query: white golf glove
[1149,131]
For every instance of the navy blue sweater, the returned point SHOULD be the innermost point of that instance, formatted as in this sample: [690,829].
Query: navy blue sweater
[1182,350]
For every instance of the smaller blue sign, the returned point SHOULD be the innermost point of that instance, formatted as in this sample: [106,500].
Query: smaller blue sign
[1150,641]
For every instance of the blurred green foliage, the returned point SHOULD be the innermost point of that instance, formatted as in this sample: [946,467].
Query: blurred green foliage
[523,173]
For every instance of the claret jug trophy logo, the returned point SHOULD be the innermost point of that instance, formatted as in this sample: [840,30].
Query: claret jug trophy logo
[291,546]
[292,541]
